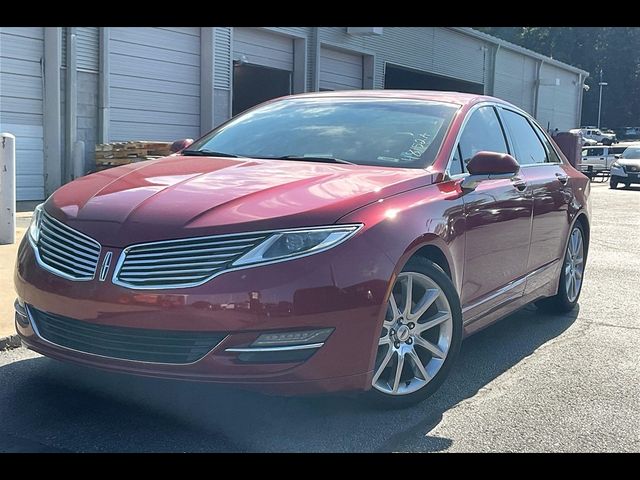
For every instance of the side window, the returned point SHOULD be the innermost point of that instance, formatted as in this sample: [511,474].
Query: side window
[552,156]
[482,132]
[456,163]
[616,150]
[529,149]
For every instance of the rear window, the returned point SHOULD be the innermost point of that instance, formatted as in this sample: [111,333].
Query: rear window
[616,150]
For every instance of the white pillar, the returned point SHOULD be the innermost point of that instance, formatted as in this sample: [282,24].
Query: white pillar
[7,188]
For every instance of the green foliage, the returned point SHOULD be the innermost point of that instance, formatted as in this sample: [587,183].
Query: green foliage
[615,50]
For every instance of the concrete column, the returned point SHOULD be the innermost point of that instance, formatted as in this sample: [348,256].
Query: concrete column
[207,66]
[299,65]
[71,105]
[315,68]
[103,86]
[52,133]
[7,188]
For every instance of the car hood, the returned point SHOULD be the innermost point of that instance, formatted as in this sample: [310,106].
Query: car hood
[178,197]
[629,162]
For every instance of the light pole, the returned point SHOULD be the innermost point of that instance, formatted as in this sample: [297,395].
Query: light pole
[602,84]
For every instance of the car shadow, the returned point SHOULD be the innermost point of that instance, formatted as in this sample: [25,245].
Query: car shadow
[73,408]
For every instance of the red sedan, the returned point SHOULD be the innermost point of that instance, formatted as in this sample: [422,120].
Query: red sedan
[316,243]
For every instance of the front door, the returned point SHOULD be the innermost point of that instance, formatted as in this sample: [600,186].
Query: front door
[545,175]
[498,223]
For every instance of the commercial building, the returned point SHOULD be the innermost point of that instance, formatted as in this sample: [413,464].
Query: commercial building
[62,90]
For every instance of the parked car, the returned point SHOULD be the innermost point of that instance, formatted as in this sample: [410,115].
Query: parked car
[585,142]
[360,236]
[628,133]
[626,169]
[599,158]
[599,136]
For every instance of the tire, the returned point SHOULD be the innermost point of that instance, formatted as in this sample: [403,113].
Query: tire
[566,299]
[415,384]
[613,183]
[627,185]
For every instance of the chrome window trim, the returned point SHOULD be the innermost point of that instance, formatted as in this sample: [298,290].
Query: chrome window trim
[123,254]
[34,327]
[284,348]
[54,270]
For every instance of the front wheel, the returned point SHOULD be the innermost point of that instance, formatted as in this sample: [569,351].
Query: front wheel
[571,275]
[420,336]
[613,183]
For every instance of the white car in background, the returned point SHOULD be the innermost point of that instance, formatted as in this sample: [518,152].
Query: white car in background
[626,169]
[596,134]
[600,157]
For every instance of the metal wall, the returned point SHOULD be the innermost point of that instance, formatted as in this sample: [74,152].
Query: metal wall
[21,104]
[558,98]
[154,83]
[515,79]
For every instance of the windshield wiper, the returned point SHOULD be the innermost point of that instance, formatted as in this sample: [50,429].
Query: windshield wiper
[206,153]
[314,159]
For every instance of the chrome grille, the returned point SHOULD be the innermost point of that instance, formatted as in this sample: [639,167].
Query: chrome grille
[181,263]
[65,251]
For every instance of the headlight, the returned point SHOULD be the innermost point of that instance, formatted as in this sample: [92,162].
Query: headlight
[296,243]
[617,165]
[34,226]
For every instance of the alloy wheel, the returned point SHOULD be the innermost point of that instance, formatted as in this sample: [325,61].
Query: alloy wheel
[416,335]
[574,265]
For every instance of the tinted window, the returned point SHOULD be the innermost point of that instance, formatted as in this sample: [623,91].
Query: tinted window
[482,132]
[392,133]
[552,156]
[616,150]
[529,150]
[594,152]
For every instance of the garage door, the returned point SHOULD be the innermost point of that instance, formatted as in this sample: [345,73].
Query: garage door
[263,48]
[154,83]
[340,70]
[21,52]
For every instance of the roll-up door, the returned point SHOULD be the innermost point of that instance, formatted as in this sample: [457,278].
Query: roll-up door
[21,110]
[154,83]
[262,67]
[340,70]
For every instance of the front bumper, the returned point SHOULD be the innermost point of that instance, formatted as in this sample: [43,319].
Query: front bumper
[343,289]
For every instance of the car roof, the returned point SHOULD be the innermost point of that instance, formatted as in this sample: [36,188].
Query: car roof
[457,98]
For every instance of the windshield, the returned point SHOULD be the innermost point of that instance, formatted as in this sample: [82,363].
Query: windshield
[393,133]
[631,152]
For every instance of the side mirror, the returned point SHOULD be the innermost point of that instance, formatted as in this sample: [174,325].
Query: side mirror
[179,145]
[489,166]
[617,156]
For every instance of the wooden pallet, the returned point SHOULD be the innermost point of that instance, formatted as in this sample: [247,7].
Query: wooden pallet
[122,153]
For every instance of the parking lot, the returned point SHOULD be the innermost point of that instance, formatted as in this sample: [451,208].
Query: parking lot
[532,382]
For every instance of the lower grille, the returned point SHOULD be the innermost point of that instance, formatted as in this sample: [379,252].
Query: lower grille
[124,343]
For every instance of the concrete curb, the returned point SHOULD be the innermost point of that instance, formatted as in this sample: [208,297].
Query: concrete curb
[12,341]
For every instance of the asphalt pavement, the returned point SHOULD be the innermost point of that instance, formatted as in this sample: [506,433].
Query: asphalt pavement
[530,383]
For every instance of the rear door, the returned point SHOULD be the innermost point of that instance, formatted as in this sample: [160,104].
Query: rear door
[498,222]
[547,178]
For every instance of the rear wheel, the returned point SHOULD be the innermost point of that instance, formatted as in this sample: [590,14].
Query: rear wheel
[420,336]
[571,275]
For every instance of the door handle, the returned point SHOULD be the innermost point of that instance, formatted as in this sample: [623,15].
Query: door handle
[519,183]
[562,178]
